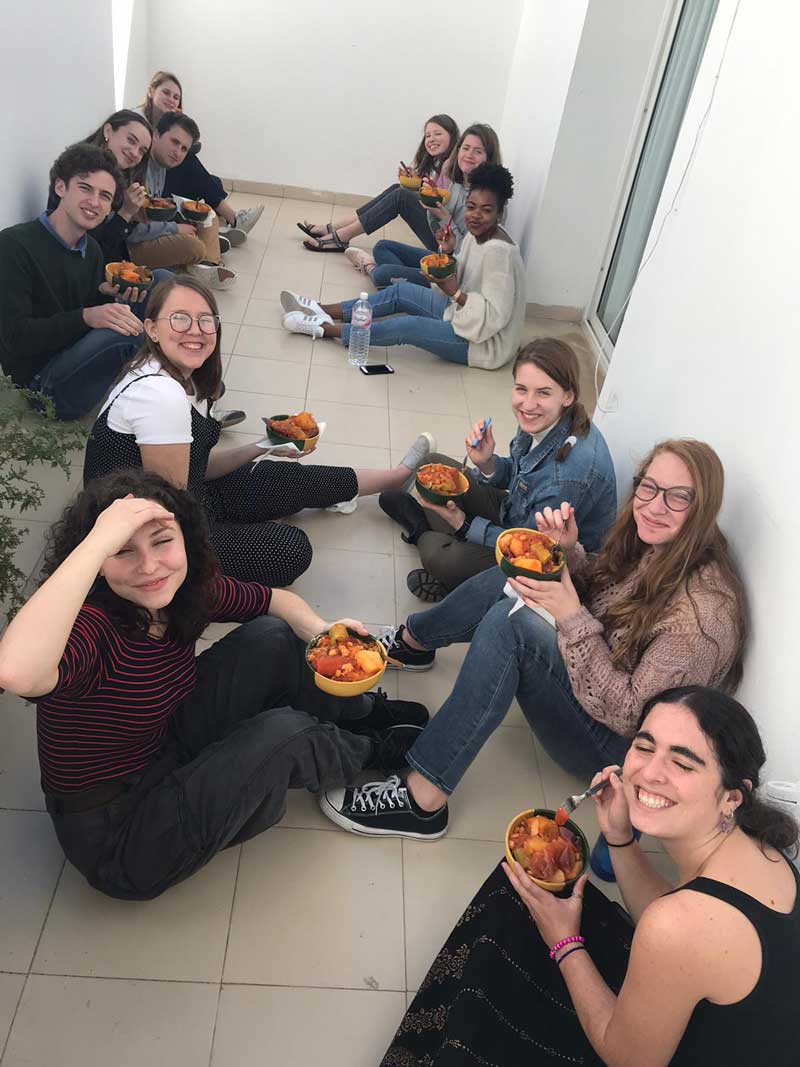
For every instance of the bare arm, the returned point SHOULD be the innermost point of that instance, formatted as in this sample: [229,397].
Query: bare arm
[301,617]
[170,461]
[224,460]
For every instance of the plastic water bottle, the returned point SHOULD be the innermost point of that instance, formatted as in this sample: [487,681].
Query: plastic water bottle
[360,323]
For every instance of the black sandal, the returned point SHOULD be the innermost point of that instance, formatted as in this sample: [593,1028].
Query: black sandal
[424,586]
[308,229]
[326,242]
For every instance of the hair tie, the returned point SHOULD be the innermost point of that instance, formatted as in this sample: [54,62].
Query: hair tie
[571,440]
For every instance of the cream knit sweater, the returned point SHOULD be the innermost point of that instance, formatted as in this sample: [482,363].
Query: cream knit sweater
[684,648]
[492,277]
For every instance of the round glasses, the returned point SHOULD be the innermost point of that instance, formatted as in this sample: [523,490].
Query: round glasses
[181,322]
[676,497]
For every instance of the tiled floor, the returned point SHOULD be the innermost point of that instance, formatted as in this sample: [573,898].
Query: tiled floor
[300,947]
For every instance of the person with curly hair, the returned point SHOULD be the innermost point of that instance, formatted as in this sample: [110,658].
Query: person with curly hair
[64,331]
[152,760]
[474,317]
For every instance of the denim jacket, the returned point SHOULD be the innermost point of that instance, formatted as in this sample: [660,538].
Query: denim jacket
[534,480]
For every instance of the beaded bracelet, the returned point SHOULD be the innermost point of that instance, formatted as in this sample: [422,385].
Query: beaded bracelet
[566,941]
[577,948]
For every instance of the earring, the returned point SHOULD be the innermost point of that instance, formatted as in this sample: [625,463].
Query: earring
[726,822]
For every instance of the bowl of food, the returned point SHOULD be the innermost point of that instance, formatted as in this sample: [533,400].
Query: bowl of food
[438,265]
[128,275]
[195,210]
[553,853]
[431,196]
[160,209]
[437,483]
[345,663]
[409,181]
[525,553]
[300,429]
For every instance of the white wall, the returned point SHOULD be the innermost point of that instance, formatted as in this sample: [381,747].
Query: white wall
[138,72]
[600,118]
[538,81]
[708,347]
[330,95]
[57,84]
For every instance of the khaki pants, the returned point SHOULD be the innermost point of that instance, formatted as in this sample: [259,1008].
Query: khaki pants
[443,555]
[179,250]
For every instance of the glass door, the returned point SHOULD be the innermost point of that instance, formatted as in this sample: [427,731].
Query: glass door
[683,62]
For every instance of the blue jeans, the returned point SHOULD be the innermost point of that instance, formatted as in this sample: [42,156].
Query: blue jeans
[507,657]
[391,203]
[419,323]
[78,378]
[398,261]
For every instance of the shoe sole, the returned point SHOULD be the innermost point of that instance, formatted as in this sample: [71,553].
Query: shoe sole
[410,667]
[235,236]
[362,831]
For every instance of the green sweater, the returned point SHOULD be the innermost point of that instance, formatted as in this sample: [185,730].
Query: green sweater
[44,288]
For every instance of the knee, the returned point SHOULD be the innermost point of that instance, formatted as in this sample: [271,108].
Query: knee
[379,250]
[195,250]
[295,557]
[434,552]
[381,275]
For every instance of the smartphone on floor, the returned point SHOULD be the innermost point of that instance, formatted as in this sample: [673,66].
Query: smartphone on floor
[376,368]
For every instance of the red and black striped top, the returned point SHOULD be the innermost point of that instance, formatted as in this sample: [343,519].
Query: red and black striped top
[108,713]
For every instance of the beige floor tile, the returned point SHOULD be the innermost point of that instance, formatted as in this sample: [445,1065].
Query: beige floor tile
[439,879]
[479,810]
[286,247]
[338,292]
[260,342]
[367,527]
[32,861]
[245,280]
[331,353]
[346,385]
[179,936]
[318,909]
[449,429]
[340,271]
[261,375]
[423,392]
[410,358]
[339,455]
[302,275]
[246,259]
[232,306]
[399,230]
[351,1028]
[258,406]
[88,1022]
[340,583]
[264,313]
[10,990]
[433,687]
[19,766]
[354,424]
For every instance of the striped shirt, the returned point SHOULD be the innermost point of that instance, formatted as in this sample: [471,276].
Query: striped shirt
[108,713]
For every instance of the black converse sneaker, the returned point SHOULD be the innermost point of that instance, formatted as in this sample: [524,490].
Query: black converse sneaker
[385,713]
[391,746]
[383,809]
[409,657]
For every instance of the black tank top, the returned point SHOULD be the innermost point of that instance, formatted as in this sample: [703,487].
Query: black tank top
[109,450]
[760,1030]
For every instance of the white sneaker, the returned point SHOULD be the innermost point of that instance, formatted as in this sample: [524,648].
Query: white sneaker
[361,260]
[298,322]
[247,217]
[417,455]
[304,304]
[214,275]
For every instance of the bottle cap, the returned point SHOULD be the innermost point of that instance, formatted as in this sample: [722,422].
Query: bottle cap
[363,296]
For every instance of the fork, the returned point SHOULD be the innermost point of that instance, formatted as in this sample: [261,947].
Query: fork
[571,803]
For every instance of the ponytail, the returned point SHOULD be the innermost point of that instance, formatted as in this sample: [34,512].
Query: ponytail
[766,823]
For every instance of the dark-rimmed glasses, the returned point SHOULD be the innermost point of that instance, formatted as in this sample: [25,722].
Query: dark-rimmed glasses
[181,322]
[676,497]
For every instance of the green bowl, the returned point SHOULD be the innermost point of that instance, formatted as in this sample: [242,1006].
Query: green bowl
[304,444]
[161,214]
[438,272]
[114,279]
[557,888]
[507,567]
[441,498]
[429,200]
[194,216]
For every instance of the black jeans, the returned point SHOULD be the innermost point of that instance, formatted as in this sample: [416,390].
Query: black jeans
[254,727]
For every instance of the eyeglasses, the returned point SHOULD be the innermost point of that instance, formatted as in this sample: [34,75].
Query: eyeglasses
[676,497]
[181,322]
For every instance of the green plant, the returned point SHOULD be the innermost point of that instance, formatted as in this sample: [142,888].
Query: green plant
[26,437]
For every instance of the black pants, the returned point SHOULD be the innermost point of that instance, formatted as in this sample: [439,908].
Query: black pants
[443,555]
[254,727]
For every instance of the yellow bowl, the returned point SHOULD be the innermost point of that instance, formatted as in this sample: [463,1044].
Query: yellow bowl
[347,689]
[304,444]
[409,181]
[507,567]
[551,887]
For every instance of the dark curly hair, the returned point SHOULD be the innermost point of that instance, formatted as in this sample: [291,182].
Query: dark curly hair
[734,737]
[82,159]
[190,610]
[494,178]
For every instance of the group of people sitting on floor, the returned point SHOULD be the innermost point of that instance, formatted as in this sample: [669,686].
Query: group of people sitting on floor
[153,760]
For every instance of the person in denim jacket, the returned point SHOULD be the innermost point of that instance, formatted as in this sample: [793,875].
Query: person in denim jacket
[557,455]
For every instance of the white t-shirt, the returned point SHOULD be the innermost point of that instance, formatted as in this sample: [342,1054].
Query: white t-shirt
[157,411]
